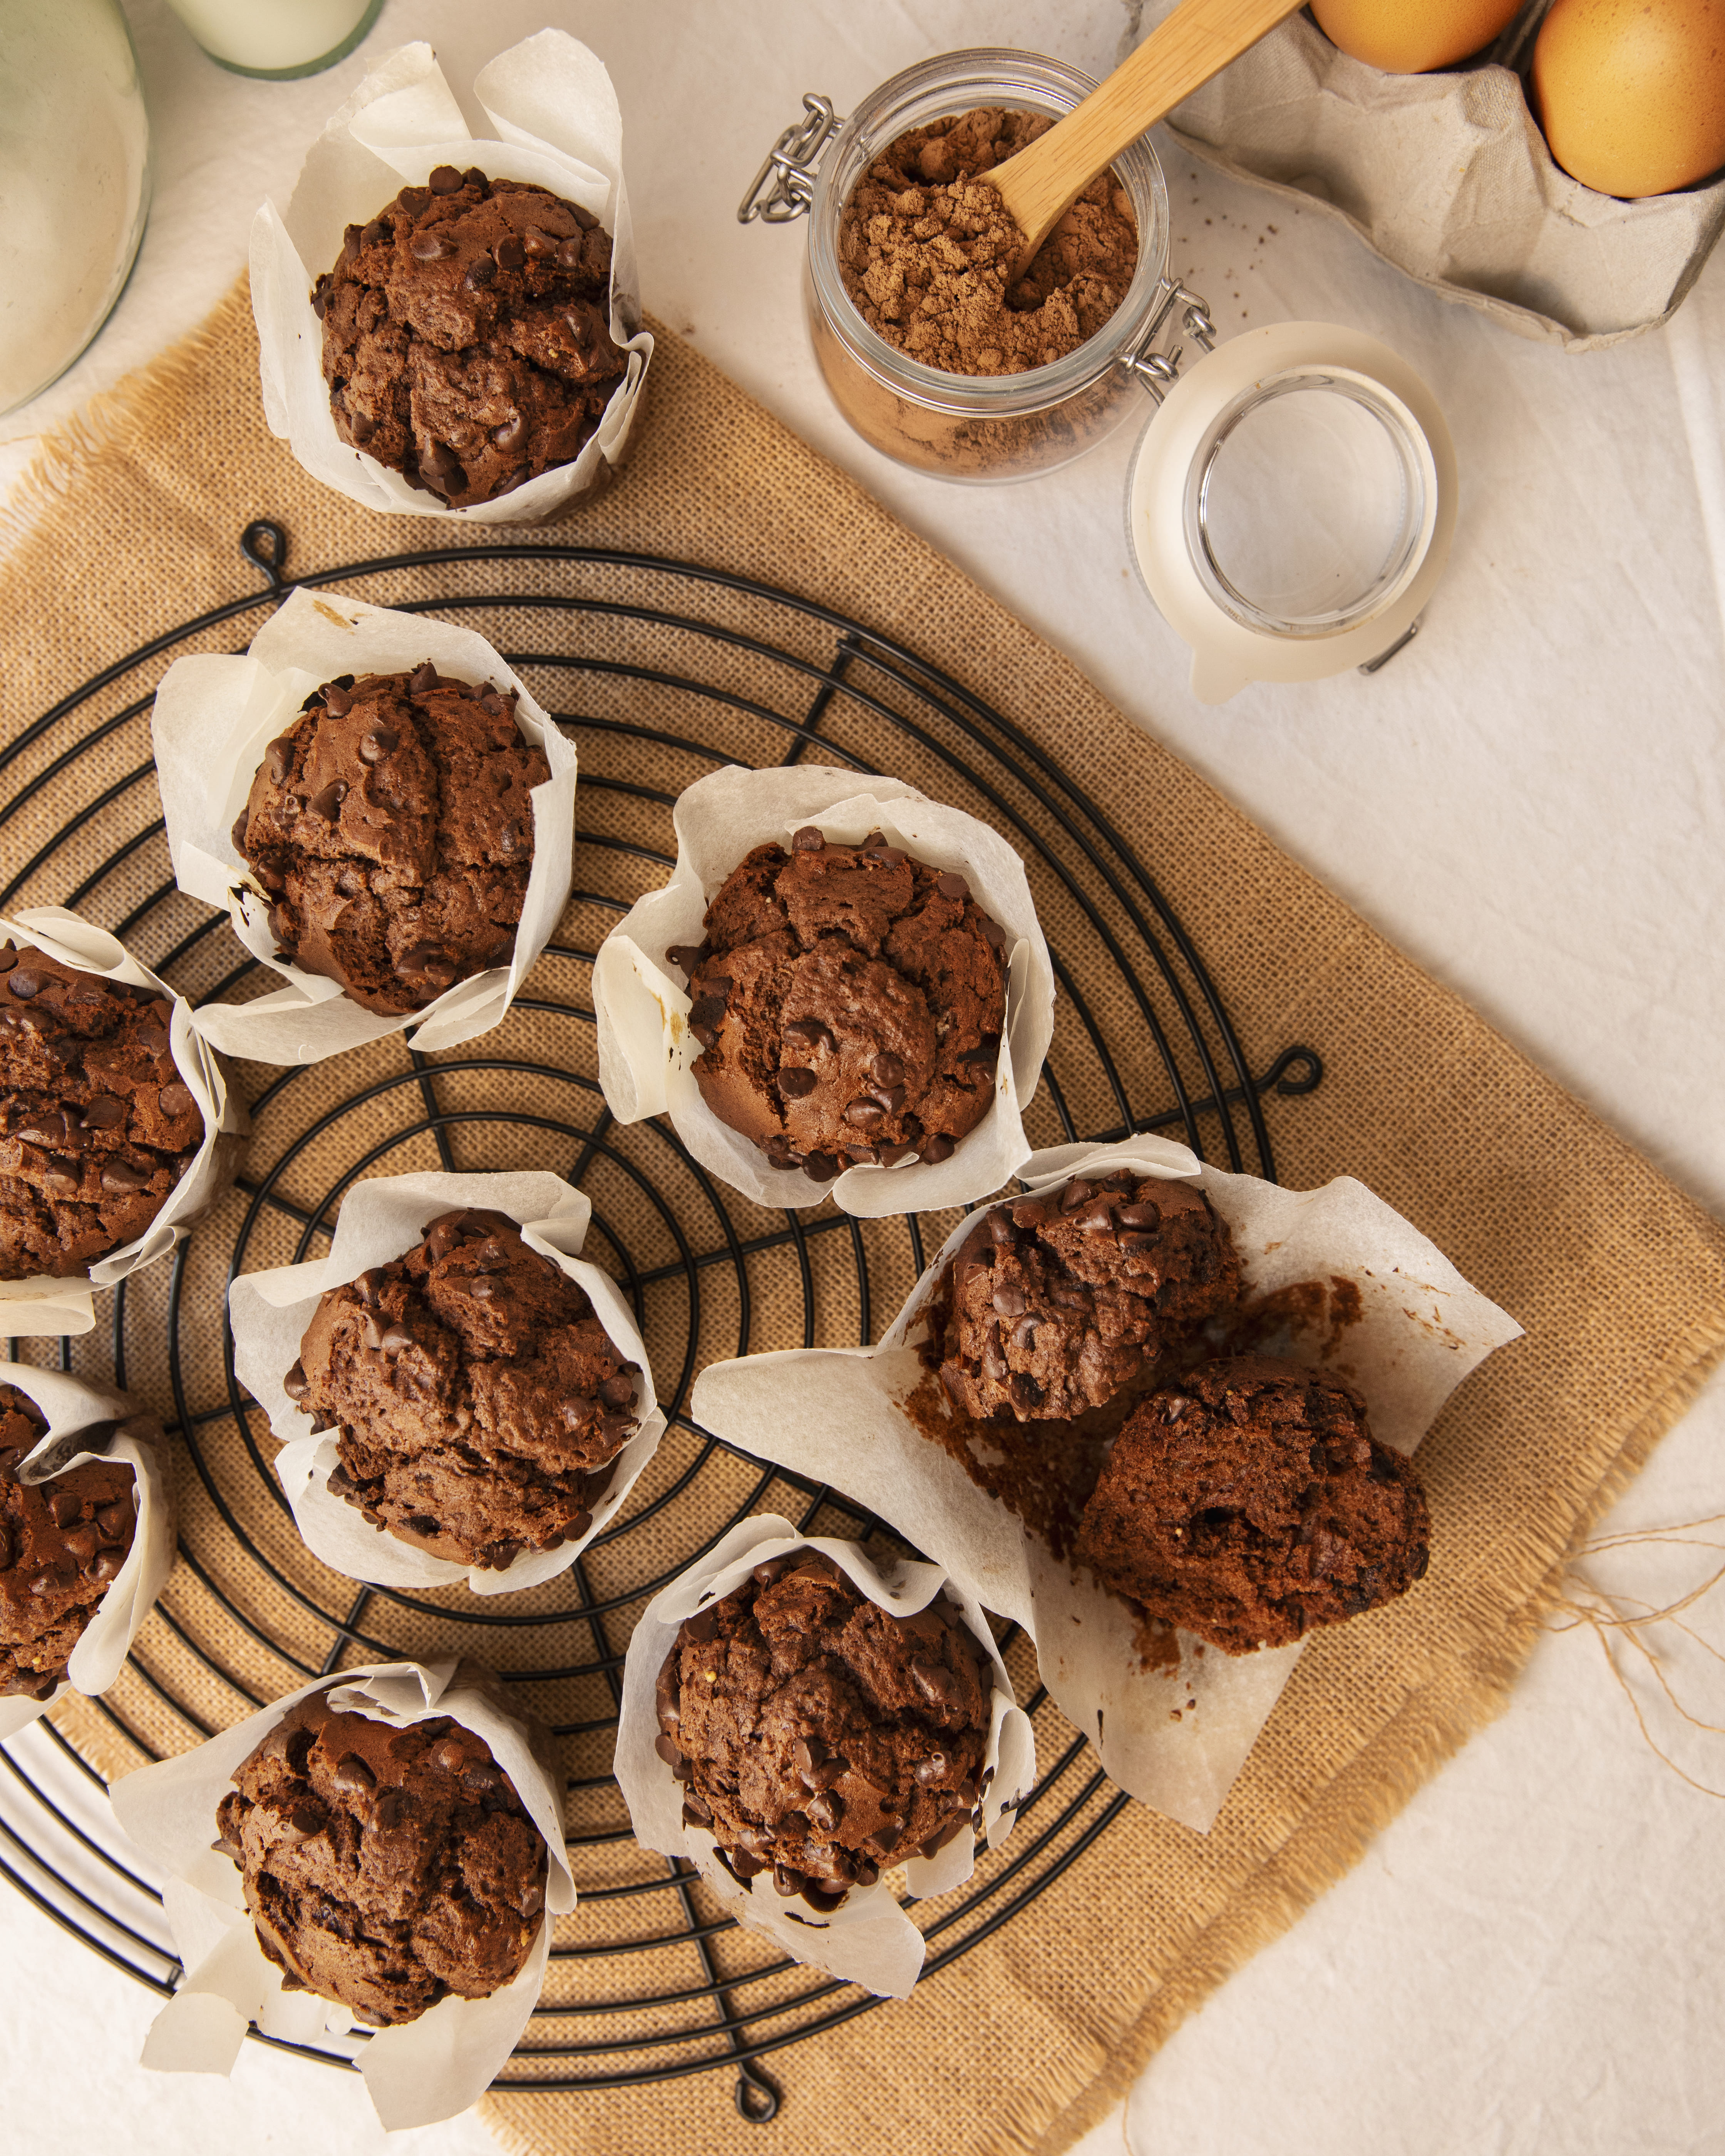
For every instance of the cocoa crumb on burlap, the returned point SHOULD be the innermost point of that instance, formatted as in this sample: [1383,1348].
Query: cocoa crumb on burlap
[926,249]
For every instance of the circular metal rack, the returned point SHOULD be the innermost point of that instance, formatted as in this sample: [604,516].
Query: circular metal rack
[661,669]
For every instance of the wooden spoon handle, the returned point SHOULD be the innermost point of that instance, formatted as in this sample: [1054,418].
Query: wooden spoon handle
[1197,41]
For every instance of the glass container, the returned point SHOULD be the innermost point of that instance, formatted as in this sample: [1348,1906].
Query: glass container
[75,177]
[979,428]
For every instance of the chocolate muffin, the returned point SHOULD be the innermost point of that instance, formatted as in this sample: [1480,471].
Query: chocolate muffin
[96,1125]
[479,1402]
[1053,1305]
[818,1735]
[393,827]
[1250,1502]
[62,1545]
[385,1868]
[466,334]
[849,1003]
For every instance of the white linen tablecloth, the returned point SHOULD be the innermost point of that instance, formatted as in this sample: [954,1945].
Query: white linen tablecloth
[1530,800]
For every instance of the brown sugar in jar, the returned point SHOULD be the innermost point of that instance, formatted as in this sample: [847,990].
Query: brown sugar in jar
[926,249]
[931,352]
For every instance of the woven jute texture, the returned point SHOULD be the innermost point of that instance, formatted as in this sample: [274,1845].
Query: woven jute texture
[129,528]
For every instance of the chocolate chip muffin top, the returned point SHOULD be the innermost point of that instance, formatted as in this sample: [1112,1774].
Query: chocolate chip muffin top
[1053,1305]
[96,1125]
[849,1002]
[62,1546]
[819,1737]
[466,337]
[385,1868]
[393,826]
[478,1400]
[1251,1502]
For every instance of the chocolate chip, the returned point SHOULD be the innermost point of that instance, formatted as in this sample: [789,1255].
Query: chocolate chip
[426,962]
[936,1683]
[864,1112]
[307,1821]
[1141,1214]
[63,1506]
[787,1883]
[808,841]
[539,243]
[1076,1193]
[701,1627]
[61,1178]
[809,1032]
[441,468]
[391,1810]
[152,1040]
[121,1178]
[428,247]
[937,1149]
[825,1810]
[483,272]
[509,253]
[511,435]
[1009,1299]
[886,1838]
[685,956]
[397,1339]
[379,742]
[951,884]
[444,180]
[696,1811]
[993,932]
[669,1750]
[887,1069]
[106,1565]
[483,1780]
[24,983]
[796,1084]
[987,1052]
[114,1520]
[368,1285]
[177,1100]
[9,1550]
[820,1167]
[352,1776]
[321,1422]
[483,1288]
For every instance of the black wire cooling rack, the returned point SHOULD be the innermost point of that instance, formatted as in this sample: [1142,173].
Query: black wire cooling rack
[661,669]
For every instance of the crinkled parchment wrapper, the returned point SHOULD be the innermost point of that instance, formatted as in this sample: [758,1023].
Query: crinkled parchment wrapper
[419,2072]
[836,1414]
[381,1217]
[88,1422]
[868,1939]
[1447,177]
[215,716]
[558,126]
[645,1048]
[67,1306]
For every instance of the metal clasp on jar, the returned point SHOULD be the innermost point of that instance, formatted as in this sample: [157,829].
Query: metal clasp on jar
[1159,371]
[784,187]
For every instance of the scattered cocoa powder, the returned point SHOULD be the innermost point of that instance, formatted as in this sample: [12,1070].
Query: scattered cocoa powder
[926,247]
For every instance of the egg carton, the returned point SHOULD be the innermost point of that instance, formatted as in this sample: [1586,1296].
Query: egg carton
[1447,177]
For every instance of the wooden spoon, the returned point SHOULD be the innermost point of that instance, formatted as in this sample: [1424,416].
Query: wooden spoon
[1197,40]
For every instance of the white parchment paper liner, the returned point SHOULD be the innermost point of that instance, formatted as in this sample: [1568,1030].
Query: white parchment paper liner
[558,126]
[73,1406]
[381,1217]
[836,1414]
[646,1050]
[215,716]
[67,1306]
[868,1939]
[418,2073]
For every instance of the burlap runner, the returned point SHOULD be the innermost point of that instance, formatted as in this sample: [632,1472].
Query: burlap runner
[1619,1279]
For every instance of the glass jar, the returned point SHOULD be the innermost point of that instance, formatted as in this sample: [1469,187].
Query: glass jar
[976,428]
[75,176]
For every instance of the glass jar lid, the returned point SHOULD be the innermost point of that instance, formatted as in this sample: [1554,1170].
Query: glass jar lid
[1291,505]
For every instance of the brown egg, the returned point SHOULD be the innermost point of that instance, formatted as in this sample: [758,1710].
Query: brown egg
[1409,37]
[1631,93]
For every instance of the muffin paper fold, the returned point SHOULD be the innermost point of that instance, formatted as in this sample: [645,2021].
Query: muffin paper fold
[92,1422]
[214,718]
[381,1219]
[869,1939]
[642,1005]
[44,1304]
[1176,1737]
[418,2072]
[558,126]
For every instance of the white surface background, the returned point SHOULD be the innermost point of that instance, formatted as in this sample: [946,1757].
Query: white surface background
[1528,800]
